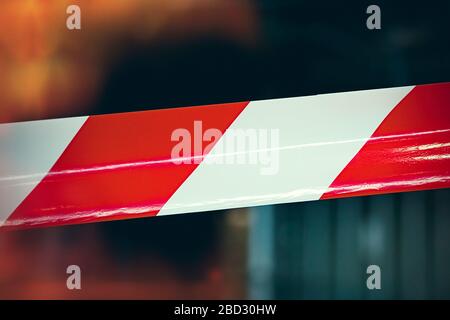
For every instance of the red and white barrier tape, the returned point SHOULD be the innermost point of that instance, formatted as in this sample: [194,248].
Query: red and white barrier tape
[108,167]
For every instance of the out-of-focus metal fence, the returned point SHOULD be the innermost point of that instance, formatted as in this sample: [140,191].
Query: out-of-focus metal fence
[322,249]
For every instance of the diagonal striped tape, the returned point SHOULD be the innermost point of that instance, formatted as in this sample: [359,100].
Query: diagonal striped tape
[119,166]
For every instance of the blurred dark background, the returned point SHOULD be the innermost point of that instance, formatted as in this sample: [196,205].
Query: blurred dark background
[149,54]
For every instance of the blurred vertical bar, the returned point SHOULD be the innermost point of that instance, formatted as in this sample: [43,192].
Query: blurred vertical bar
[380,239]
[288,242]
[317,251]
[413,246]
[234,257]
[261,253]
[350,273]
[442,244]
[430,208]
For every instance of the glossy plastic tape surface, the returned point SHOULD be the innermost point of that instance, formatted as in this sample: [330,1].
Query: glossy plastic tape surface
[161,162]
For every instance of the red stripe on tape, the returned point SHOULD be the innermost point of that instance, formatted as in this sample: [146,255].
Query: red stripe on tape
[116,167]
[409,151]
